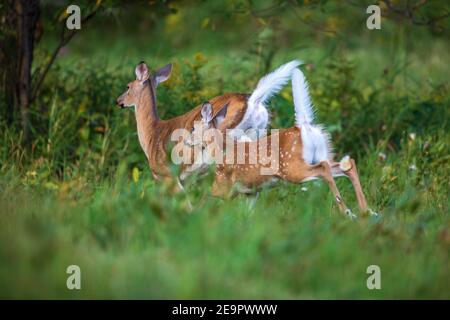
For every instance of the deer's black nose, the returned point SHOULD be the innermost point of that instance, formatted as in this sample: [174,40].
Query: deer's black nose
[120,102]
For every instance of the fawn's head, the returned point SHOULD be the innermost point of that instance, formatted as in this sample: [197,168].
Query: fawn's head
[132,94]
[207,134]
[208,121]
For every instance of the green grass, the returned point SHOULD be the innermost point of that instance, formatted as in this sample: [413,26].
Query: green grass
[133,241]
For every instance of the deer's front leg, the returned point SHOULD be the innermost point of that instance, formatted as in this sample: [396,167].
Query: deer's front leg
[222,186]
[174,186]
[171,184]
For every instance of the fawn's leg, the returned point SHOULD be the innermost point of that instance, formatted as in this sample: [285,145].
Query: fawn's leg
[181,189]
[222,187]
[323,170]
[347,167]
[251,200]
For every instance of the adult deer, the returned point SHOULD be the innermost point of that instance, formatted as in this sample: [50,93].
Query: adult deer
[154,133]
[297,154]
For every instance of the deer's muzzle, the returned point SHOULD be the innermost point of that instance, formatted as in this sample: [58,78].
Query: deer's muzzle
[120,102]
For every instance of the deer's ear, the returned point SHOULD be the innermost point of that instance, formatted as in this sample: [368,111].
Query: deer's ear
[142,72]
[207,112]
[163,74]
[220,116]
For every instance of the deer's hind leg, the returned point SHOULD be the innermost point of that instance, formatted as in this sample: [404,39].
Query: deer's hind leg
[347,167]
[324,171]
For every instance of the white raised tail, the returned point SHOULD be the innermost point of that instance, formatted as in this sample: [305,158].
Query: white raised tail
[304,110]
[316,141]
[256,115]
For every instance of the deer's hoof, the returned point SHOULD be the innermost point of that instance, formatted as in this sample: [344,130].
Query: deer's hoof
[350,214]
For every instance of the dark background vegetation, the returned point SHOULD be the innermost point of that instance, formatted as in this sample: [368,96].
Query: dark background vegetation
[75,188]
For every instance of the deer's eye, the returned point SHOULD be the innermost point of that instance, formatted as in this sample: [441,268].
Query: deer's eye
[128,87]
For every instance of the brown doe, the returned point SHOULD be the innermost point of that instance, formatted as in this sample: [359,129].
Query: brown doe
[154,133]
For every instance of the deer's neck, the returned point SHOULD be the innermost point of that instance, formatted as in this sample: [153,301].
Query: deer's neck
[146,118]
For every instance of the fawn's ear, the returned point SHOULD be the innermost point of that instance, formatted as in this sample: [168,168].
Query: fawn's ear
[141,71]
[163,73]
[220,116]
[207,112]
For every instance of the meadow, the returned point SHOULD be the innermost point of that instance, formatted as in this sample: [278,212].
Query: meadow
[82,193]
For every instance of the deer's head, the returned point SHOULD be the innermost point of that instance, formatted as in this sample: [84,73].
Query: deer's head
[208,121]
[132,94]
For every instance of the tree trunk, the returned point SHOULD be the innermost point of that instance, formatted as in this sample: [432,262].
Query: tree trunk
[27,18]
[8,61]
